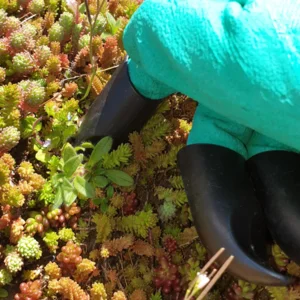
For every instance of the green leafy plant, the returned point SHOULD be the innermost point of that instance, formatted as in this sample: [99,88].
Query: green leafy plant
[3,293]
[63,180]
[77,179]
[99,177]
[113,24]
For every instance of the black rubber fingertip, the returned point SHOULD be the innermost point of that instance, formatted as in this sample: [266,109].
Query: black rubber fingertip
[276,176]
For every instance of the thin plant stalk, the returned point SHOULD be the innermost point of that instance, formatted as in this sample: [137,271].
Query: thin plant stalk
[205,281]
[216,278]
[92,27]
[212,260]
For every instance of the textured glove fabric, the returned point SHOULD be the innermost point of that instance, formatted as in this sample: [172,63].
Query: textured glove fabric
[147,85]
[239,59]
[211,128]
[259,143]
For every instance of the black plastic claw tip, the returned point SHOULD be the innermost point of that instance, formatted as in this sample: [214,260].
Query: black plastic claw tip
[276,177]
[117,111]
[226,212]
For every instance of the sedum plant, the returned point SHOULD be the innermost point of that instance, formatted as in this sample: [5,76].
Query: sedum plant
[91,222]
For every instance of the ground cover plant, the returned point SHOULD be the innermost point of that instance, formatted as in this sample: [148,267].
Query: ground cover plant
[91,222]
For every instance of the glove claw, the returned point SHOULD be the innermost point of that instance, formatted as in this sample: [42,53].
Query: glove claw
[276,176]
[226,213]
[117,111]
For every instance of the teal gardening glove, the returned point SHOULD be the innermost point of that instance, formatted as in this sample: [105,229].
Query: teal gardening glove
[240,60]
